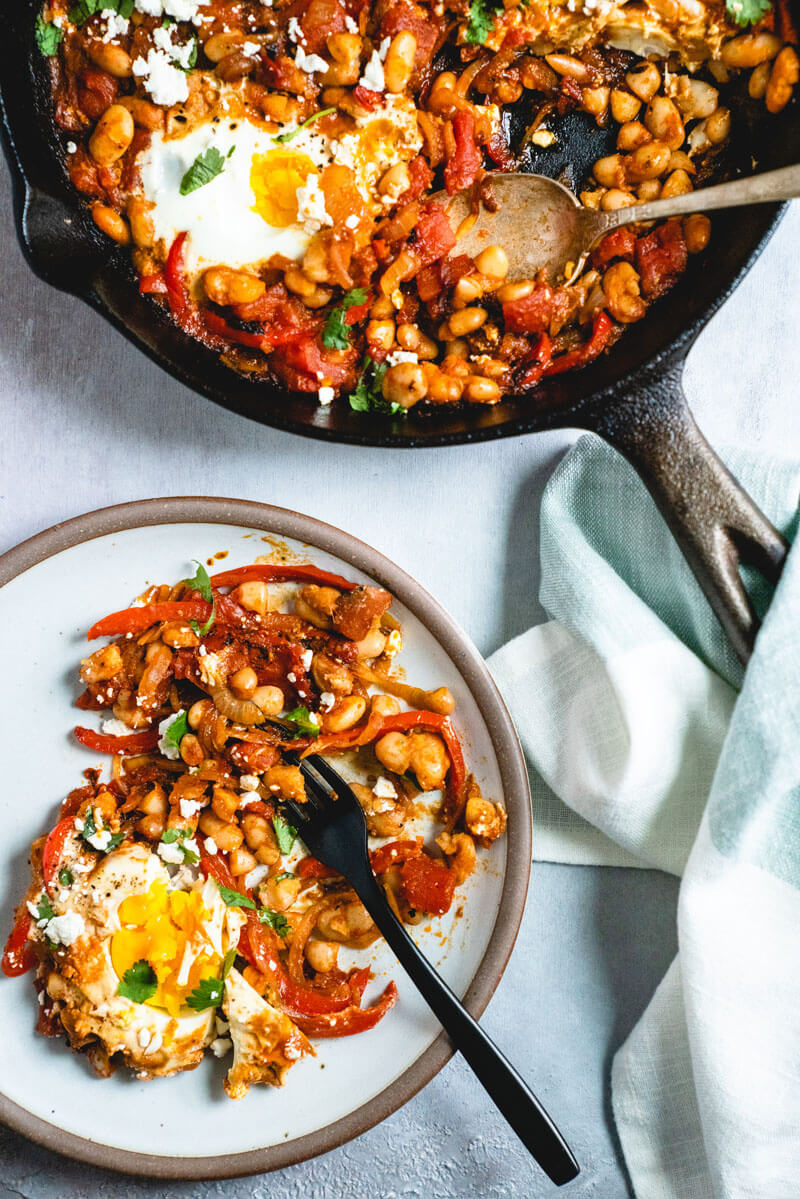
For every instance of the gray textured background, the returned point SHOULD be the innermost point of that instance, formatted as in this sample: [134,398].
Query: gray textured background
[89,422]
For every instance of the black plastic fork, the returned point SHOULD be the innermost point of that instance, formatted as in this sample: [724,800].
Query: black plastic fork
[332,825]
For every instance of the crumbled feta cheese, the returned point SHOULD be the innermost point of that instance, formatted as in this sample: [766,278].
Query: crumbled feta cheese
[34,910]
[168,748]
[63,930]
[221,1025]
[143,1037]
[116,26]
[309,62]
[190,807]
[99,840]
[383,49]
[251,49]
[72,148]
[352,222]
[248,797]
[172,853]
[179,52]
[249,782]
[401,356]
[311,210]
[291,677]
[116,728]
[255,876]
[385,788]
[294,32]
[221,1046]
[166,84]
[350,25]
[307,656]
[211,670]
[210,846]
[373,78]
[180,10]
[327,700]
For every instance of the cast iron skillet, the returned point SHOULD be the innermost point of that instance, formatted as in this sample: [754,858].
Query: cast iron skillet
[632,397]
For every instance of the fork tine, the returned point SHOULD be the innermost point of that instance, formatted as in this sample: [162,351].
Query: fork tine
[331,776]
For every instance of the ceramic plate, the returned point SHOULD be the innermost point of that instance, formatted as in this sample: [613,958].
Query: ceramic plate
[51,589]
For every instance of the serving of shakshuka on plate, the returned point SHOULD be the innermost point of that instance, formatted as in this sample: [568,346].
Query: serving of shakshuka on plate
[171,908]
[271,166]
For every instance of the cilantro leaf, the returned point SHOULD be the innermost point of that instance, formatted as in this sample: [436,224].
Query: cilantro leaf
[84,9]
[235,899]
[177,730]
[139,983]
[192,62]
[173,836]
[304,726]
[336,334]
[48,36]
[283,138]
[203,170]
[45,910]
[368,396]
[283,874]
[748,12]
[274,920]
[201,581]
[209,991]
[90,829]
[285,833]
[481,21]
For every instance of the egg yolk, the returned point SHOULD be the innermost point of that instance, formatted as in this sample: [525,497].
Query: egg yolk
[275,178]
[165,929]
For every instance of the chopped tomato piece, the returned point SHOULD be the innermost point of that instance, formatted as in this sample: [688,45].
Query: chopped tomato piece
[18,956]
[621,243]
[427,885]
[367,98]
[304,364]
[393,854]
[434,234]
[313,868]
[421,177]
[96,91]
[531,313]
[53,849]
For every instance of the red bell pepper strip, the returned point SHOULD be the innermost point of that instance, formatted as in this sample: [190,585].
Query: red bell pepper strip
[538,361]
[53,849]
[136,620]
[350,1020]
[256,341]
[393,854]
[268,573]
[137,743]
[175,280]
[313,868]
[19,957]
[153,285]
[601,332]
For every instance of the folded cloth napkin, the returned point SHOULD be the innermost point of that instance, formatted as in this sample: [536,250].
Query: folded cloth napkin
[648,746]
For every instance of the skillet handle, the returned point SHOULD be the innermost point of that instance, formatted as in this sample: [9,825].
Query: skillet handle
[714,521]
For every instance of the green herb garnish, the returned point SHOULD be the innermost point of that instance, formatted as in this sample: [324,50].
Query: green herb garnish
[235,899]
[209,991]
[66,877]
[748,12]
[48,36]
[203,170]
[274,920]
[177,836]
[90,829]
[177,730]
[336,334]
[84,9]
[368,396]
[139,983]
[44,910]
[201,581]
[304,726]
[283,874]
[286,834]
[283,138]
[481,21]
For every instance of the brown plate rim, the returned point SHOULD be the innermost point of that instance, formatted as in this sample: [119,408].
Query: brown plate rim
[315,533]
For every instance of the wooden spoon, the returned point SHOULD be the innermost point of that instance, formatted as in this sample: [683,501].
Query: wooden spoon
[542,225]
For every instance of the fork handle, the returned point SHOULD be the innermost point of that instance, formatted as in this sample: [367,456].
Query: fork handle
[510,1093]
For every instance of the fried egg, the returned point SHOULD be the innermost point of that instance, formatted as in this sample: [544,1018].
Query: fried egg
[271,197]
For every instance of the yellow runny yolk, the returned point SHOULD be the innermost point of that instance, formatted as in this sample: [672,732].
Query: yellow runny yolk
[165,929]
[275,178]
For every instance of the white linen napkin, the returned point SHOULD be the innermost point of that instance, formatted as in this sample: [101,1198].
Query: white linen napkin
[647,747]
